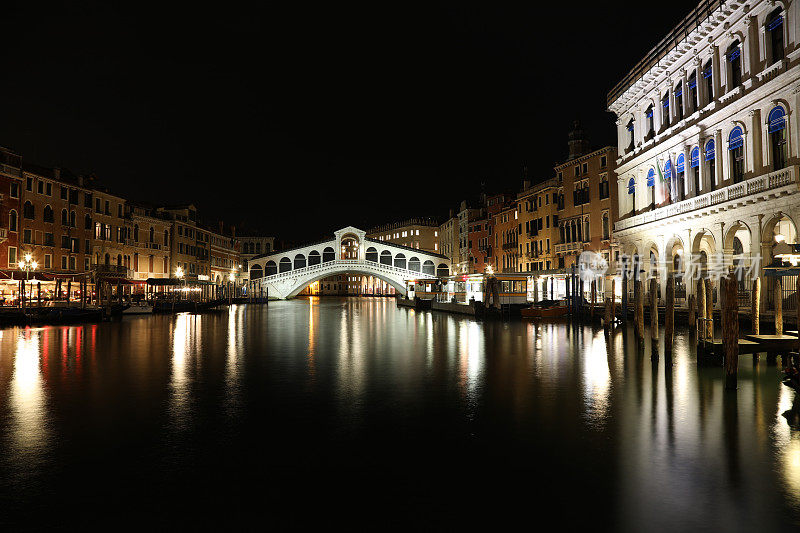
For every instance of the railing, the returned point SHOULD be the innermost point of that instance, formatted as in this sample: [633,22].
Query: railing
[568,247]
[116,270]
[773,180]
[509,245]
[337,265]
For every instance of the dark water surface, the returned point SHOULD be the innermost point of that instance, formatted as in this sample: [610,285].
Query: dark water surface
[351,412]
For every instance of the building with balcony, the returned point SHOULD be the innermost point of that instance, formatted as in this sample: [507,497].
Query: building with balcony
[709,144]
[148,243]
[538,217]
[10,209]
[505,242]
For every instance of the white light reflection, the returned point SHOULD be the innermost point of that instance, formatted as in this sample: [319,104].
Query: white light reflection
[27,397]
[596,380]
[181,349]
[787,442]
[470,364]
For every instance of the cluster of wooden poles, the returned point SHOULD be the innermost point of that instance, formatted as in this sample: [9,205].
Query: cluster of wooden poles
[701,310]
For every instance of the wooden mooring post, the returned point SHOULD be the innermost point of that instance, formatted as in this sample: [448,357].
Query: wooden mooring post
[639,311]
[692,315]
[614,302]
[608,320]
[593,289]
[653,318]
[701,308]
[755,306]
[709,310]
[730,330]
[669,317]
[624,296]
[778,307]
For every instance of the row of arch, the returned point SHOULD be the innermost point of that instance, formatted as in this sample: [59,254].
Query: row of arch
[398,260]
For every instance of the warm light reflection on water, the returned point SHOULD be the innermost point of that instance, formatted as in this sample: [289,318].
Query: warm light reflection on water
[420,407]
[27,396]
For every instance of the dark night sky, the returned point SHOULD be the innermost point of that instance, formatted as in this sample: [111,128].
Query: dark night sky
[300,119]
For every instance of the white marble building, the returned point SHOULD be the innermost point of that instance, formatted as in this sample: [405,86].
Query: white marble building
[713,108]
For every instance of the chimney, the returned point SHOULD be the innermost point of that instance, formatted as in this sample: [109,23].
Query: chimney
[80,180]
[56,173]
[233,231]
[220,227]
[526,184]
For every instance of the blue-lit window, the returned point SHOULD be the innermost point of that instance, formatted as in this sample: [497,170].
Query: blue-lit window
[650,124]
[665,111]
[735,60]
[711,161]
[651,178]
[777,137]
[774,28]
[692,85]
[680,164]
[694,157]
[736,138]
[694,163]
[736,149]
[709,151]
[631,186]
[708,75]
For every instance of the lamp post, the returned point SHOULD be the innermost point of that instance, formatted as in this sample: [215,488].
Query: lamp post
[179,274]
[28,265]
[232,279]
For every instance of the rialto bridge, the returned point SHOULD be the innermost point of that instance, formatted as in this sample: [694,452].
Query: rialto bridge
[284,274]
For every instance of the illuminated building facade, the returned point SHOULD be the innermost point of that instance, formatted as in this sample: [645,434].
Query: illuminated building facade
[709,143]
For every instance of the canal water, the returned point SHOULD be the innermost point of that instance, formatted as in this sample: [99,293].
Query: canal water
[351,412]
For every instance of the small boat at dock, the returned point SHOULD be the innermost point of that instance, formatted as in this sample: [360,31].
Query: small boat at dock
[546,309]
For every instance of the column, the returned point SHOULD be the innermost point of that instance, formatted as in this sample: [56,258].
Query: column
[715,76]
[688,266]
[685,90]
[687,172]
[719,159]
[755,153]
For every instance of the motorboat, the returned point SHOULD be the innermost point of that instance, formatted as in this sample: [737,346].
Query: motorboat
[546,309]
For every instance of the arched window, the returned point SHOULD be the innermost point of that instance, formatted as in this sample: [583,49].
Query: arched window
[107,260]
[679,101]
[256,272]
[694,162]
[670,181]
[693,102]
[12,220]
[665,111]
[372,254]
[734,56]
[632,194]
[47,214]
[386,257]
[119,259]
[587,235]
[414,264]
[270,268]
[651,128]
[680,169]
[708,76]
[442,270]
[87,221]
[774,28]
[285,264]
[428,267]
[629,127]
[73,219]
[299,261]
[651,186]
[711,163]
[777,137]
[400,261]
[136,232]
[736,149]
[28,211]
[605,227]
[328,255]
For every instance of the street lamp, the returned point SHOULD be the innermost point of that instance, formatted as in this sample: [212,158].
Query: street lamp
[179,274]
[28,265]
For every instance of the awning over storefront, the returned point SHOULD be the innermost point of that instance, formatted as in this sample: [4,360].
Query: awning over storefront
[18,275]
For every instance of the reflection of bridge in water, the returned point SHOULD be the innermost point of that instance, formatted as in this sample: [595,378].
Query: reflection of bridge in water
[288,272]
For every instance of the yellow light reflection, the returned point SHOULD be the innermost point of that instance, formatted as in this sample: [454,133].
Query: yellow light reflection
[27,397]
[596,379]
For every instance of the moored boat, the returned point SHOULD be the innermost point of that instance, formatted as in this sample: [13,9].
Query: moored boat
[546,309]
